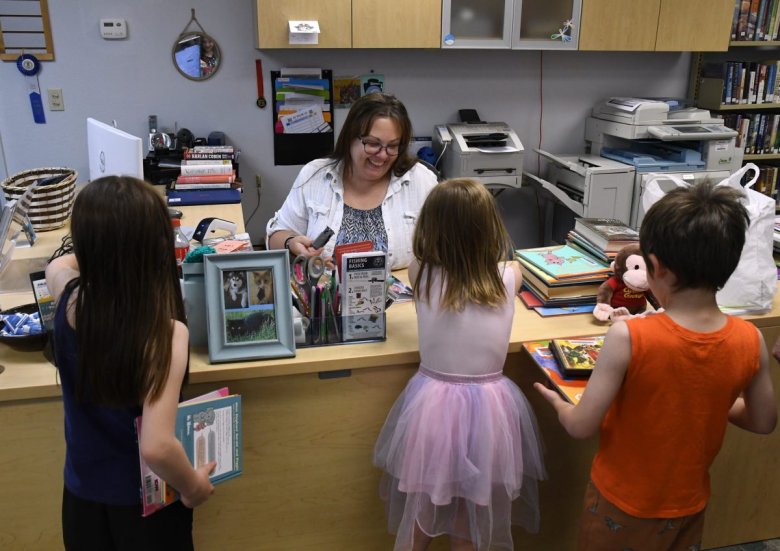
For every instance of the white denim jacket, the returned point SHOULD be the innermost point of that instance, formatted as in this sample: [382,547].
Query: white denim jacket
[316,200]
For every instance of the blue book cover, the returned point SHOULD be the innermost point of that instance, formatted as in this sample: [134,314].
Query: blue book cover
[562,261]
[203,197]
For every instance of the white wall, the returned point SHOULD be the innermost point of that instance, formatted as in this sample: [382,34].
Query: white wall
[127,80]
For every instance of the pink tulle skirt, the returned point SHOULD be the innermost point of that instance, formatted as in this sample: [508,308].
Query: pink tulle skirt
[462,457]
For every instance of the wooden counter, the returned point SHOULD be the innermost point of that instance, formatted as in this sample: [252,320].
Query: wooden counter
[308,481]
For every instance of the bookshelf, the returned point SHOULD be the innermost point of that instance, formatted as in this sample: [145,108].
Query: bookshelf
[720,82]
[742,85]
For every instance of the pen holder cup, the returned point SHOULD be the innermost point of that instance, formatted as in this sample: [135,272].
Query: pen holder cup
[332,330]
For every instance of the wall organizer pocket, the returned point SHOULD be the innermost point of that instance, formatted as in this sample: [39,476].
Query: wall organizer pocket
[303,115]
[196,55]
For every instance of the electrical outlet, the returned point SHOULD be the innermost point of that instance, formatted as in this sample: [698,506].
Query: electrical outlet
[56,102]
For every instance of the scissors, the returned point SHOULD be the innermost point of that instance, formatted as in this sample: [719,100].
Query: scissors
[307,272]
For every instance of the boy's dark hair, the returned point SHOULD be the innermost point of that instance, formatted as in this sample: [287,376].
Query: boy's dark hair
[698,233]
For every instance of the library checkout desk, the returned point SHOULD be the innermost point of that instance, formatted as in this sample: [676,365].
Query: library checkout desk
[308,481]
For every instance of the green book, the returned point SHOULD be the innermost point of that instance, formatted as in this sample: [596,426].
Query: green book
[563,261]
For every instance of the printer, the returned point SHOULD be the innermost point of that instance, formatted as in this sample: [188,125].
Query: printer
[489,152]
[661,136]
[588,185]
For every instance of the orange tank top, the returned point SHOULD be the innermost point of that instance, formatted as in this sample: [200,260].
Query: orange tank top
[666,424]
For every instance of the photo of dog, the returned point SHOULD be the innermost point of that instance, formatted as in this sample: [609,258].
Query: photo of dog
[236,292]
[261,290]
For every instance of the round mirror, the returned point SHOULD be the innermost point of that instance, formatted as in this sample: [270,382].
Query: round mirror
[196,55]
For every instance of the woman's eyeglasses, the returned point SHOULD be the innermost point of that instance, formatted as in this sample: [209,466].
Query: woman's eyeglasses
[373,147]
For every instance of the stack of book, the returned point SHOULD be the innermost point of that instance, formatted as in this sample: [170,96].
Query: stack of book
[208,175]
[601,237]
[570,386]
[561,278]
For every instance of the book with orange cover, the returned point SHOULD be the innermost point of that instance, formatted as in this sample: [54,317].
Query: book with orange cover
[570,389]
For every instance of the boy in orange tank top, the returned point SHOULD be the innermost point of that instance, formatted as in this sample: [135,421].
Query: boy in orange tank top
[665,385]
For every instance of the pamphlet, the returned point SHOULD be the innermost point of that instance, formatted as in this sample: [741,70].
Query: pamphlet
[363,295]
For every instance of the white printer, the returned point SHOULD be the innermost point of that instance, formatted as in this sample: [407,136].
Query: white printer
[590,186]
[489,152]
[661,137]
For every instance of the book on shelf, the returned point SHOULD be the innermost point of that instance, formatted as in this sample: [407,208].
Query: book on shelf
[184,186]
[562,261]
[570,389]
[206,178]
[577,356]
[209,429]
[761,21]
[195,162]
[210,149]
[752,19]
[203,197]
[608,234]
[742,22]
[219,152]
[735,19]
[212,168]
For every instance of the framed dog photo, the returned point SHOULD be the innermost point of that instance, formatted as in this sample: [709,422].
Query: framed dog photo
[248,306]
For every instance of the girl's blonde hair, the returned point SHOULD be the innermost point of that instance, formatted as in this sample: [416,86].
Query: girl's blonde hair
[460,231]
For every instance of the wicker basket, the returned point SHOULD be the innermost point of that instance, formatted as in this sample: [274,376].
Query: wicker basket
[51,203]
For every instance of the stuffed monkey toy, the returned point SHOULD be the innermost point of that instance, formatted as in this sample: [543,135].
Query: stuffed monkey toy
[627,292]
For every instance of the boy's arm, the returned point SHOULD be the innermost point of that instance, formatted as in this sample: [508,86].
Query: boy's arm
[159,446]
[755,410]
[584,419]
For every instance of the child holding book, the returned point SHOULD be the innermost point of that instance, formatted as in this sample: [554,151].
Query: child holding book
[459,448]
[121,348]
[665,386]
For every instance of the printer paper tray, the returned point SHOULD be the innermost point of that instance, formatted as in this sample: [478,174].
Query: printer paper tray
[576,206]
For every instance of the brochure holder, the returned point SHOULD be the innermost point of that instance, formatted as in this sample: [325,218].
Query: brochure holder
[304,142]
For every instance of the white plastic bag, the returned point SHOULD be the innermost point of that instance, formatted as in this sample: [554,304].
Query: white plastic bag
[752,286]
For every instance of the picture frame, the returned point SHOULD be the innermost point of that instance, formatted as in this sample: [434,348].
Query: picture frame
[248,306]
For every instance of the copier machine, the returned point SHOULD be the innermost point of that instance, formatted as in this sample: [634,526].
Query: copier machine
[489,152]
[661,137]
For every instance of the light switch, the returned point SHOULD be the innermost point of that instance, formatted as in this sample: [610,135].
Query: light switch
[56,101]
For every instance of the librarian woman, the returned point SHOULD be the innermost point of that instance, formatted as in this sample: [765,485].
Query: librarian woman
[369,189]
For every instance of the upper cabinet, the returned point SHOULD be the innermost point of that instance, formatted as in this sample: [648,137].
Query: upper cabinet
[518,24]
[352,23]
[656,25]
[396,24]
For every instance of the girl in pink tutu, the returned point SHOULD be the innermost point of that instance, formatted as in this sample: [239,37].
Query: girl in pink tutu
[459,447]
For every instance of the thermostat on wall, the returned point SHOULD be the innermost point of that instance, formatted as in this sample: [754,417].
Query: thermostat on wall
[111,29]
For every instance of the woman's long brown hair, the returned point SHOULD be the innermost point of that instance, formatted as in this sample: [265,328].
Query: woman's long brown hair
[128,291]
[460,231]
